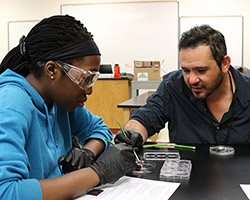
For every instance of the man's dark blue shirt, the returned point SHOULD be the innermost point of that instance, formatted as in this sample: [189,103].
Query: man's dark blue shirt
[189,119]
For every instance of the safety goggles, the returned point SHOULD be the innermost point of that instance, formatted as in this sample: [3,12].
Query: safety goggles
[84,79]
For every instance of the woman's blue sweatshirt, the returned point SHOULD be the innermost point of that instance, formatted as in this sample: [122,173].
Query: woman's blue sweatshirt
[32,138]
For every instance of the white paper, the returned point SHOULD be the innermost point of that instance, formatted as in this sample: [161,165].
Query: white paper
[246,189]
[129,188]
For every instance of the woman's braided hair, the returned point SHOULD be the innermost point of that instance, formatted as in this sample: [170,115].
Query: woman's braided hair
[49,34]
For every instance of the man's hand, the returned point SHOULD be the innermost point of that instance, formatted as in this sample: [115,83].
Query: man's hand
[76,159]
[114,163]
[133,138]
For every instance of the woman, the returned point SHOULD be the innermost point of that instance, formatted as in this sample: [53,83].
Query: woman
[44,83]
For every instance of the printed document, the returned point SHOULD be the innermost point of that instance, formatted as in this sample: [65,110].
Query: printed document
[130,188]
[246,189]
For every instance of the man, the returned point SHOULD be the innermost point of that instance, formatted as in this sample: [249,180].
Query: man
[207,101]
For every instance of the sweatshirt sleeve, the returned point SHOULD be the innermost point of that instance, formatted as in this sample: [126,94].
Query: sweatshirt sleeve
[85,126]
[15,182]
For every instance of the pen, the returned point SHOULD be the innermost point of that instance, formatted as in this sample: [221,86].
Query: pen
[137,158]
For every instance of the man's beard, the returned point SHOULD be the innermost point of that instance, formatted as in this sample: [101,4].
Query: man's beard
[210,90]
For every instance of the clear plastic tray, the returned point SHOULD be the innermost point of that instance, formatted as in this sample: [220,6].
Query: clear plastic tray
[176,169]
[161,155]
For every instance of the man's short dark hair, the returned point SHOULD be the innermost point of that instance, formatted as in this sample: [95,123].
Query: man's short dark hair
[205,35]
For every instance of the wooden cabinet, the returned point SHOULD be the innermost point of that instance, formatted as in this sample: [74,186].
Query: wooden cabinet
[107,94]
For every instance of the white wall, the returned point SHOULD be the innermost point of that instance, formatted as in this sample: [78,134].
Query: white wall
[16,10]
[219,8]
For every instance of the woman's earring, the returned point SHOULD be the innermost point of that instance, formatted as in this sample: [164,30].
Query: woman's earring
[52,77]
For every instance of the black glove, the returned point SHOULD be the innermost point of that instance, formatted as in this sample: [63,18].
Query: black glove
[133,138]
[114,163]
[76,159]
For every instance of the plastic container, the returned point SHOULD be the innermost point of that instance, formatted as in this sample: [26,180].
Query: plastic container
[161,155]
[117,71]
[146,168]
[221,150]
[176,169]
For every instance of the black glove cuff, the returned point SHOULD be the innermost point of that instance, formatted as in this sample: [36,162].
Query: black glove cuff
[99,173]
[90,153]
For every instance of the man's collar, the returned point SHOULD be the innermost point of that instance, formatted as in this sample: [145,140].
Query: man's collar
[242,86]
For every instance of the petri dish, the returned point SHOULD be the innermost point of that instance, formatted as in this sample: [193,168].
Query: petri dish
[222,150]
[147,167]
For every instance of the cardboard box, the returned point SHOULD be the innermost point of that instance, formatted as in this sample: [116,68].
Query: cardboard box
[139,64]
[147,74]
[147,70]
